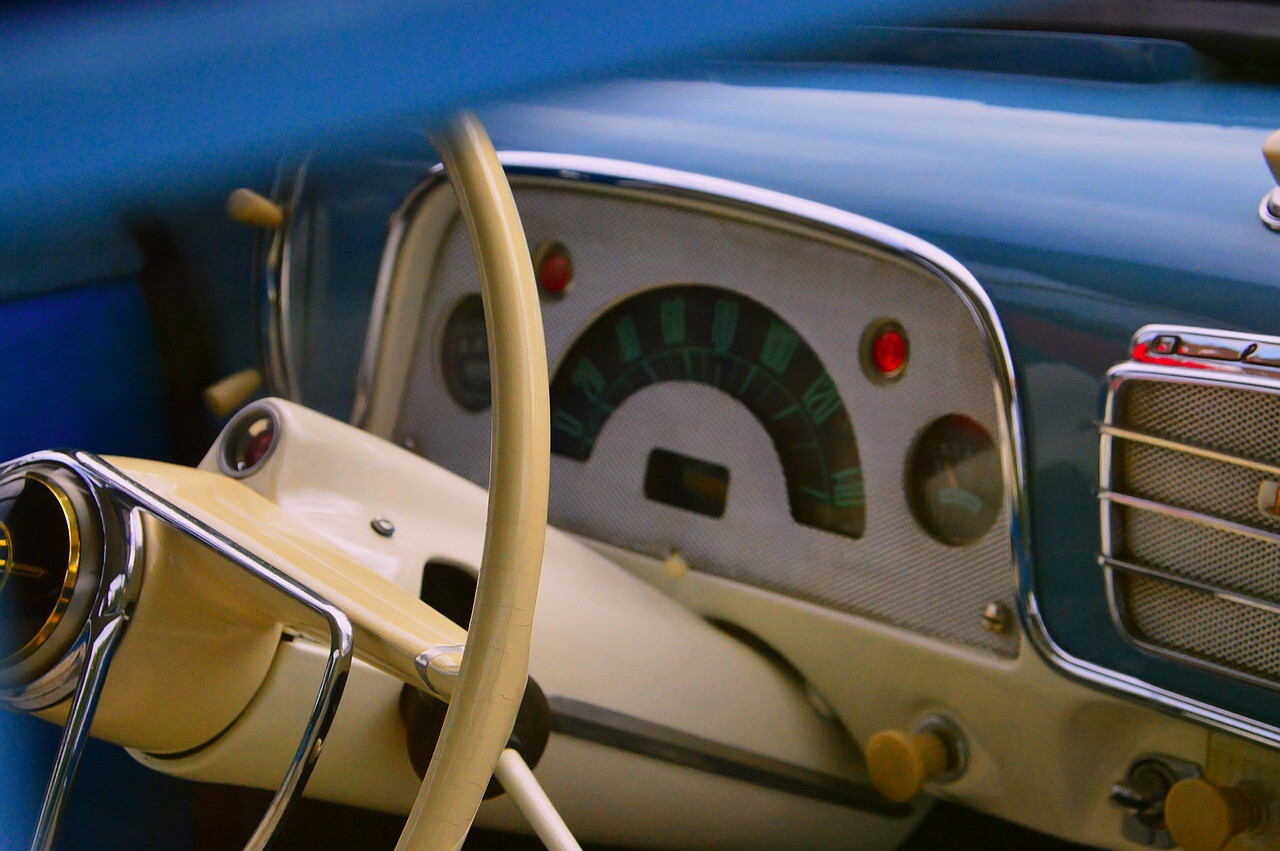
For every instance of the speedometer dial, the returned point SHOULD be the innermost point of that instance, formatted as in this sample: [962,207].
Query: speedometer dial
[719,338]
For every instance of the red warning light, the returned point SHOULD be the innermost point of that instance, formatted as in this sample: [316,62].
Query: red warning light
[889,351]
[554,268]
[884,351]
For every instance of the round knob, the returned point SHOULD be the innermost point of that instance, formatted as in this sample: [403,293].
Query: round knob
[901,763]
[1203,816]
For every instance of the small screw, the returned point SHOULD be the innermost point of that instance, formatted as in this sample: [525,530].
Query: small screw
[410,443]
[997,618]
[382,526]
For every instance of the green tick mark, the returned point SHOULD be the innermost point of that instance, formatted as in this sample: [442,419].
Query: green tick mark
[779,345]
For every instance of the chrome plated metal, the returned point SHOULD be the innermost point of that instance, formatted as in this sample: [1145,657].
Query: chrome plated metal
[1178,369]
[1110,496]
[1229,352]
[1269,209]
[277,347]
[424,665]
[1192,584]
[1189,449]
[953,739]
[103,632]
[117,492]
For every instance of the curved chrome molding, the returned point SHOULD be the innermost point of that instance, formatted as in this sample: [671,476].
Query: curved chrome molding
[132,501]
[274,292]
[813,216]
[808,217]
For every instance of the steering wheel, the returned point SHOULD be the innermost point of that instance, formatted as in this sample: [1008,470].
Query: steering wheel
[495,666]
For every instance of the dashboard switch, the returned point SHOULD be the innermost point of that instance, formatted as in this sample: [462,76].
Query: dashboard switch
[901,763]
[1203,816]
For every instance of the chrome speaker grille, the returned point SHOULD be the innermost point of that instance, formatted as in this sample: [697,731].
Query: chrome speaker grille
[1190,492]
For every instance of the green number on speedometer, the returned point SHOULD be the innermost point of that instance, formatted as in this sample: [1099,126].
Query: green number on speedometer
[725,340]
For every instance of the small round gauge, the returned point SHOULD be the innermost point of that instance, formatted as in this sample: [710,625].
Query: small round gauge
[464,355]
[954,482]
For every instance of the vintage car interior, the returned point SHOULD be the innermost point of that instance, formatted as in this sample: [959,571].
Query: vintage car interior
[790,425]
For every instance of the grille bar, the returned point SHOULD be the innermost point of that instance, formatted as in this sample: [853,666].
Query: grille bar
[1187,514]
[1190,584]
[1189,449]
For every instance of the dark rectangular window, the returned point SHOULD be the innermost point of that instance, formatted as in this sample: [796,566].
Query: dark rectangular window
[687,483]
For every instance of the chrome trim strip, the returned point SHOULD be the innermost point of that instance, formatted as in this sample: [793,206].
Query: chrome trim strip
[1189,449]
[584,169]
[1132,636]
[125,495]
[1188,515]
[274,304]
[1190,584]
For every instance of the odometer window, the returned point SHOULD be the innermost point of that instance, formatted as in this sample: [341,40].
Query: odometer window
[721,339]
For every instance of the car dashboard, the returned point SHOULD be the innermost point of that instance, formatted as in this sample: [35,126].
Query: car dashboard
[909,434]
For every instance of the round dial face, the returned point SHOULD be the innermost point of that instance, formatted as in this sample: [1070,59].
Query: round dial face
[38,552]
[464,355]
[954,482]
[725,340]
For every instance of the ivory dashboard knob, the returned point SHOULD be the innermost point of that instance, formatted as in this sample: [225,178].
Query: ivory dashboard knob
[901,763]
[1203,816]
[250,208]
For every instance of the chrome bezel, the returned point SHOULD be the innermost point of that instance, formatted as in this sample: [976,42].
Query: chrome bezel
[1202,372]
[1267,209]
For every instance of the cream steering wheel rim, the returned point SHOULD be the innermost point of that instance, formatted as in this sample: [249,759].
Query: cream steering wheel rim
[495,666]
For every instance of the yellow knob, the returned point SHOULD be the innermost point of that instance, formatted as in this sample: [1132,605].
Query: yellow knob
[1203,816]
[901,763]
[224,397]
[1271,151]
[250,208]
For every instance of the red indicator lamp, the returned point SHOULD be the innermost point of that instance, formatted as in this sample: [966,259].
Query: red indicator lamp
[553,267]
[259,446]
[885,351]
[889,351]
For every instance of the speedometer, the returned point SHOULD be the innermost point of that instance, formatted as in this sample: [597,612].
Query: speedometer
[722,339]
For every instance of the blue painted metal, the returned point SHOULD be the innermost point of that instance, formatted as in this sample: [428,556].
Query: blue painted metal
[79,368]
[108,105]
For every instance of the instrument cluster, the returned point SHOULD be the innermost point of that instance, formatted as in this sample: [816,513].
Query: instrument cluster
[789,407]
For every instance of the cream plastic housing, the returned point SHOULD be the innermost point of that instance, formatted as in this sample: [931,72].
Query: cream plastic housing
[197,608]
[619,630]
[603,638]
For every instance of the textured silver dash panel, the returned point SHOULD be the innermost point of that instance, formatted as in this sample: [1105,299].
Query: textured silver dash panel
[1205,521]
[626,240]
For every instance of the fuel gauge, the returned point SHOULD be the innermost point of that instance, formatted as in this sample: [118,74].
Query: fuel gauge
[954,482]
